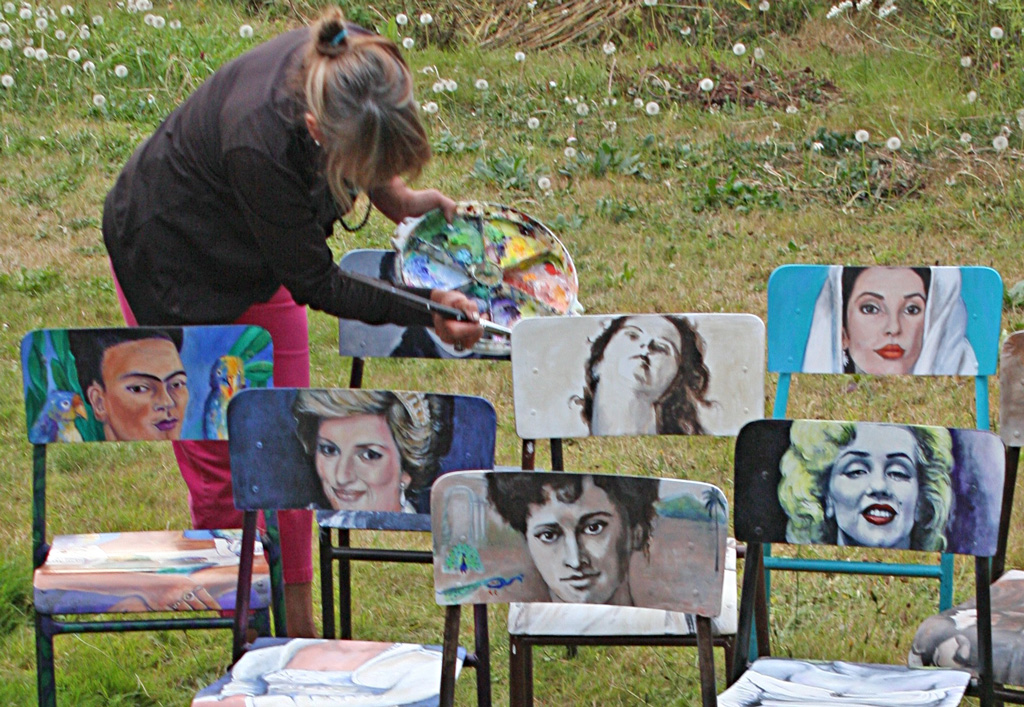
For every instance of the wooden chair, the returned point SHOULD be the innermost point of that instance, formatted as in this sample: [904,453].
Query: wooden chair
[806,482]
[958,325]
[950,639]
[371,457]
[507,536]
[693,374]
[92,385]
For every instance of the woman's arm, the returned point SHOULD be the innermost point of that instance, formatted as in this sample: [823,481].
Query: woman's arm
[398,201]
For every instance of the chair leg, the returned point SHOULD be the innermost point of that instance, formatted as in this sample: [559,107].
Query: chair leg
[450,648]
[46,683]
[482,648]
[520,672]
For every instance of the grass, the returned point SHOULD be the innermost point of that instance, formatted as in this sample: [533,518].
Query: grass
[688,210]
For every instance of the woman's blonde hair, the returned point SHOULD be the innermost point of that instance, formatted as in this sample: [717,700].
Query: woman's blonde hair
[360,91]
[807,468]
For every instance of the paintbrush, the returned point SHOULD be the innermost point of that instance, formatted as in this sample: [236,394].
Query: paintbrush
[424,304]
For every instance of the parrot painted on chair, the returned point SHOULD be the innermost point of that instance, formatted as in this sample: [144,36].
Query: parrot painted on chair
[227,377]
[56,421]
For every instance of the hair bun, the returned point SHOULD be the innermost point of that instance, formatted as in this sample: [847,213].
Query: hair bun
[332,34]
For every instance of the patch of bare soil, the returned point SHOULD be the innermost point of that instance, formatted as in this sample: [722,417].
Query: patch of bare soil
[756,86]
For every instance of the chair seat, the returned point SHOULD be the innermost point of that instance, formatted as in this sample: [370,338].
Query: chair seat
[164,570]
[313,671]
[950,639]
[536,619]
[782,681]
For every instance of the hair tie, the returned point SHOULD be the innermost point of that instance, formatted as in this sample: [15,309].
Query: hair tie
[339,37]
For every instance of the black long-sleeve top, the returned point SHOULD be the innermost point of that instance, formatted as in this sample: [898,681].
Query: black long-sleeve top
[226,202]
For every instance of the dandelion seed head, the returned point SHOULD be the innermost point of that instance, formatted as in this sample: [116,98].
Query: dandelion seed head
[706,84]
[4,28]
[42,23]
[67,10]
[582,109]
[1000,143]
[148,19]
[791,109]
[571,140]
[84,32]
[611,126]
[450,85]
[685,31]
[609,48]
[520,57]
[97,20]
[650,3]
[401,19]
[9,8]
[159,22]
[893,143]
[965,138]
[88,67]
[532,4]
[6,80]
[972,96]
[429,107]
[120,71]
[996,33]
[764,6]
[862,136]
[438,87]
[966,61]
[60,35]
[544,183]
[652,108]
[73,54]
[758,53]
[950,181]
[533,123]
[481,85]
[29,52]
[570,152]
[1020,118]
[99,100]
[408,43]
[638,103]
[174,24]
[245,31]
[25,13]
[6,44]
[552,84]
[1005,130]
[426,18]
[739,49]
[817,146]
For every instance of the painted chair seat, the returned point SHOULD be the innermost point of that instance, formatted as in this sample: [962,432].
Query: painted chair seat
[950,639]
[311,671]
[784,681]
[533,619]
[130,572]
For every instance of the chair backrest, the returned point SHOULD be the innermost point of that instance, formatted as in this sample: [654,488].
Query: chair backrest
[948,319]
[503,536]
[637,374]
[94,385]
[370,456]
[868,484]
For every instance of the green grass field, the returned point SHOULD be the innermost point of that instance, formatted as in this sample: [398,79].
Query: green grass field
[669,197]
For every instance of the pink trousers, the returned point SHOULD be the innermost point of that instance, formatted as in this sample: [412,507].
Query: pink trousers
[205,466]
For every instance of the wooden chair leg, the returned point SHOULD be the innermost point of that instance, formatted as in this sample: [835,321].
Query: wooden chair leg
[520,672]
[449,657]
[46,683]
[327,582]
[482,647]
[706,661]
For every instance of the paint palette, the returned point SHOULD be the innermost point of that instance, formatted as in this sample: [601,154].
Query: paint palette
[510,264]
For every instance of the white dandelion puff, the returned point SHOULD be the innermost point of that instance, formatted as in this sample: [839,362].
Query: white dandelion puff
[791,109]
[862,136]
[67,10]
[609,48]
[120,71]
[430,107]
[84,32]
[996,33]
[965,138]
[438,87]
[25,13]
[966,61]
[401,19]
[481,85]
[1000,143]
[758,53]
[4,28]
[652,108]
[42,23]
[533,123]
[29,52]
[159,21]
[570,152]
[148,19]
[685,31]
[9,8]
[638,103]
[74,55]
[426,18]
[706,85]
[611,126]
[544,183]
[520,57]
[893,143]
[817,146]
[739,49]
[582,109]
[650,3]
[6,80]
[245,32]
[174,24]
[6,44]
[571,140]
[764,6]
[450,85]
[88,67]
[972,96]
[99,100]
[97,20]
[408,43]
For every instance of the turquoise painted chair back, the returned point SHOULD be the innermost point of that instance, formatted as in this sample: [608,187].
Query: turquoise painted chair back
[135,384]
[931,321]
[864,484]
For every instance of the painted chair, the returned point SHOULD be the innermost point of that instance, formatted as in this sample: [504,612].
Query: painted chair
[507,536]
[789,475]
[370,458]
[632,375]
[950,326]
[94,385]
[950,638]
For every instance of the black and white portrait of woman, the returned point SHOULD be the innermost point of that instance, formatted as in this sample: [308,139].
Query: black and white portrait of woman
[890,320]
[637,374]
[869,485]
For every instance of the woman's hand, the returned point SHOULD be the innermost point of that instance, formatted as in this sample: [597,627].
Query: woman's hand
[398,201]
[460,334]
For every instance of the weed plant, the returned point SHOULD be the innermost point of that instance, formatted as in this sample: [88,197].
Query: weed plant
[681,153]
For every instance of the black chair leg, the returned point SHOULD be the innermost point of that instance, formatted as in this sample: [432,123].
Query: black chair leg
[520,672]
[46,683]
